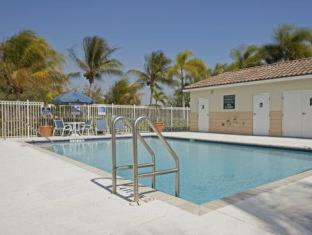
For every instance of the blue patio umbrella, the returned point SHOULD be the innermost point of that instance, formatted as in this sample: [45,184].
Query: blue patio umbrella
[72,98]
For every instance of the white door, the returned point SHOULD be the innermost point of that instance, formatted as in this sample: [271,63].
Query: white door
[307,114]
[261,118]
[203,114]
[292,113]
[297,114]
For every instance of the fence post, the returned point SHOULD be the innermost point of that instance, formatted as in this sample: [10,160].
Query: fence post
[187,118]
[5,120]
[112,111]
[88,111]
[134,112]
[27,118]
[171,121]
[2,120]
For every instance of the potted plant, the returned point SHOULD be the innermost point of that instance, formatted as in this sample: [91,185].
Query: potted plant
[159,124]
[159,96]
[46,130]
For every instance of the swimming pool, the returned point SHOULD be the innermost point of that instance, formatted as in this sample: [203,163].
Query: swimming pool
[208,170]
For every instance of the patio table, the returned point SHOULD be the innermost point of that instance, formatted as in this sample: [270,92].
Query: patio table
[75,126]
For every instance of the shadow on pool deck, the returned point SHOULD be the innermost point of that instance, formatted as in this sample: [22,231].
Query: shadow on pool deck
[276,213]
[124,190]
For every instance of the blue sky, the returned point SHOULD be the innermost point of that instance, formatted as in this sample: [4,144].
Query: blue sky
[209,28]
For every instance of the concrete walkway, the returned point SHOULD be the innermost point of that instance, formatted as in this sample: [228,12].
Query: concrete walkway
[43,194]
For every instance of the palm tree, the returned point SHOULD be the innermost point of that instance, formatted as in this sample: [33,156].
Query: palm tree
[155,72]
[28,61]
[290,43]
[244,57]
[160,96]
[188,69]
[97,60]
[97,93]
[124,92]
[218,69]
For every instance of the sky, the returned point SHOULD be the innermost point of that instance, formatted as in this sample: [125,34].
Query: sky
[210,29]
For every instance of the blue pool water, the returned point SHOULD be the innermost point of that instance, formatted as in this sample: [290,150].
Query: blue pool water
[208,170]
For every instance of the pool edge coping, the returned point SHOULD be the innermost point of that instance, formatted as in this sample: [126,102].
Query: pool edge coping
[170,136]
[195,209]
[234,142]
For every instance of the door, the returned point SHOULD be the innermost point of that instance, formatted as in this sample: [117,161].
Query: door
[292,125]
[307,114]
[203,114]
[297,114]
[261,118]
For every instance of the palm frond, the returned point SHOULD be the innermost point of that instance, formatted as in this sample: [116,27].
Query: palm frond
[139,74]
[80,63]
[97,60]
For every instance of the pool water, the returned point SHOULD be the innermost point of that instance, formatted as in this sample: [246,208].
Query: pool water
[208,170]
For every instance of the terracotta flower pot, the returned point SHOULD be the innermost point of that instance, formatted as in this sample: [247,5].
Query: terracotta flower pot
[46,131]
[159,126]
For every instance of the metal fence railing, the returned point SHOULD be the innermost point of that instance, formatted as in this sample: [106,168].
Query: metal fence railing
[23,118]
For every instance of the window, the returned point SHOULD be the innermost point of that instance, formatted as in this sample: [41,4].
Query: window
[229,102]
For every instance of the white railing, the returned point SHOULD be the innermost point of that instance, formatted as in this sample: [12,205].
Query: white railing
[23,118]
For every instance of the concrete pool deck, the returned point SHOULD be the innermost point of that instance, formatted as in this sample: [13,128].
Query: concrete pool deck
[41,193]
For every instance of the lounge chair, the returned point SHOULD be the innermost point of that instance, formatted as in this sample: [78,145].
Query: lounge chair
[86,127]
[101,126]
[120,127]
[60,127]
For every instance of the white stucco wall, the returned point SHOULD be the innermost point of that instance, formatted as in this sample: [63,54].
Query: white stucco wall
[244,95]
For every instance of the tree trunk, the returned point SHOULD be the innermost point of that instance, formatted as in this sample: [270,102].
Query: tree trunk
[90,88]
[151,97]
[182,87]
[183,98]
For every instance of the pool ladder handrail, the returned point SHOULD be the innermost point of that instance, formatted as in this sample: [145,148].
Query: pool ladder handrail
[135,166]
[115,168]
[136,175]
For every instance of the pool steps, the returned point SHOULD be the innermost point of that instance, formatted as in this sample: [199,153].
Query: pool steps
[136,135]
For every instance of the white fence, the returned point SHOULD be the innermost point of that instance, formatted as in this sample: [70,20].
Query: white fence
[23,118]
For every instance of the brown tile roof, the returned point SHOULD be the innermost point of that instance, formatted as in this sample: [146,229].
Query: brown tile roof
[264,72]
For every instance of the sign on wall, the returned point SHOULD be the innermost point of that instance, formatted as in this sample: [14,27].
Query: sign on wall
[229,102]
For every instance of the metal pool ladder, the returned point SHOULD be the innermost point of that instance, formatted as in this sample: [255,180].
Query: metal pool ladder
[136,135]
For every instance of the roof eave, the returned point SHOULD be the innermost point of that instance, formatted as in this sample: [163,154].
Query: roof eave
[248,83]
